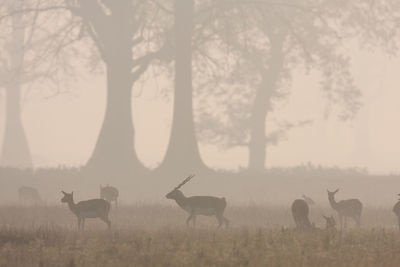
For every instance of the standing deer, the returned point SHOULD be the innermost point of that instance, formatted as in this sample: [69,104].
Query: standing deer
[92,208]
[346,208]
[300,213]
[396,210]
[308,200]
[28,194]
[199,205]
[109,193]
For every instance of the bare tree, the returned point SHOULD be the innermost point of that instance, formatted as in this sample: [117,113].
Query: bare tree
[15,151]
[270,40]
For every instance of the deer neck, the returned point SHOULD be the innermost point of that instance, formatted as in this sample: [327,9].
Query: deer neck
[181,200]
[72,206]
[333,203]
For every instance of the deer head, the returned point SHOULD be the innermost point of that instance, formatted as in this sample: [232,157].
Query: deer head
[331,195]
[68,197]
[175,193]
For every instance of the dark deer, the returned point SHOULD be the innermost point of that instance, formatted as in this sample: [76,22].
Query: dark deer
[346,208]
[199,205]
[109,193]
[396,210]
[300,213]
[93,208]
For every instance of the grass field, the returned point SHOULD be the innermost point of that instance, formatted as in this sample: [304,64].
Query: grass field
[155,235]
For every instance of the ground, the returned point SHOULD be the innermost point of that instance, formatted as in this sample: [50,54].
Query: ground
[155,235]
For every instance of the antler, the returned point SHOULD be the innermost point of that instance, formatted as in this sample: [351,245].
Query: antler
[184,182]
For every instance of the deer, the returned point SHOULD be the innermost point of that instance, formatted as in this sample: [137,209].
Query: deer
[109,193]
[330,223]
[199,205]
[28,194]
[92,208]
[308,200]
[396,210]
[346,208]
[300,211]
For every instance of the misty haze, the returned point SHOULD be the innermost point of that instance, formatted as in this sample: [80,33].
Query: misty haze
[199,133]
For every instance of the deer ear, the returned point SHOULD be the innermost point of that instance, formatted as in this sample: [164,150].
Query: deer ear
[337,190]
[63,192]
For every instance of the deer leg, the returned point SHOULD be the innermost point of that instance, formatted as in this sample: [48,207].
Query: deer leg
[79,223]
[188,219]
[341,222]
[194,221]
[226,221]
[83,223]
[345,222]
[220,220]
[358,220]
[398,220]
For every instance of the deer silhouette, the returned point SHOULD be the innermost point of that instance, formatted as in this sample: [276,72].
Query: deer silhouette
[199,205]
[346,208]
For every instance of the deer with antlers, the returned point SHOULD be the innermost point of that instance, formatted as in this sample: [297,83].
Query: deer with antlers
[199,205]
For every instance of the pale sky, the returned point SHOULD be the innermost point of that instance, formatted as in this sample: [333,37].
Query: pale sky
[63,129]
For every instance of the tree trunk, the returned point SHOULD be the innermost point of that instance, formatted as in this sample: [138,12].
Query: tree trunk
[182,154]
[15,151]
[262,104]
[114,151]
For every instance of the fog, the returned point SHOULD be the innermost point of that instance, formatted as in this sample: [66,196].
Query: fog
[142,94]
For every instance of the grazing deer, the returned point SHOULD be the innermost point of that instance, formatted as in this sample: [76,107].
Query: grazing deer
[29,194]
[396,210]
[199,205]
[346,208]
[300,213]
[93,208]
[109,193]
[308,200]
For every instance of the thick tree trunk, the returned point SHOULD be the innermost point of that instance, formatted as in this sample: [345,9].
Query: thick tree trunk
[114,151]
[182,154]
[15,151]
[257,144]
[262,104]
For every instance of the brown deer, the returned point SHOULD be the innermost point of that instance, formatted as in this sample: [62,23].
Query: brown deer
[199,205]
[28,194]
[346,208]
[396,210]
[109,193]
[92,208]
[300,211]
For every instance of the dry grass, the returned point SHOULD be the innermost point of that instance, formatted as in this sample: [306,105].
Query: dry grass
[155,235]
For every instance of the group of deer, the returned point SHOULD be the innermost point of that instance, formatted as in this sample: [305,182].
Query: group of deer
[100,208]
[345,208]
[209,206]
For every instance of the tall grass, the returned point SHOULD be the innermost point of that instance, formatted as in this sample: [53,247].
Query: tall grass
[155,235]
